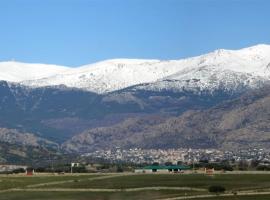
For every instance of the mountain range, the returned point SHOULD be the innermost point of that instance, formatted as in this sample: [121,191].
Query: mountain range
[225,69]
[217,100]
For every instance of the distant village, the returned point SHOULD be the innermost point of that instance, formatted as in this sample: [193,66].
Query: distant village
[174,156]
[118,160]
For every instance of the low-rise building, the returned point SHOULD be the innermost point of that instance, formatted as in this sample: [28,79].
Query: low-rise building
[162,169]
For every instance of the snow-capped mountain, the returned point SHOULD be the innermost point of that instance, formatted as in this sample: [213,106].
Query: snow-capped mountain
[17,72]
[221,69]
[111,75]
[148,90]
[207,79]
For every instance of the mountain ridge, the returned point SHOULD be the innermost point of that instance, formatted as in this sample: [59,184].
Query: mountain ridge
[116,74]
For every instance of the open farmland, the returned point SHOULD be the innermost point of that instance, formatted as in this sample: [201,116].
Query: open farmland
[134,186]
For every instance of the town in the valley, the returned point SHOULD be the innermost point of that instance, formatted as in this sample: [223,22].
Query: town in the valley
[175,156]
[249,159]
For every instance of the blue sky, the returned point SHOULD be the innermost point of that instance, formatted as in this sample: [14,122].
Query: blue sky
[77,32]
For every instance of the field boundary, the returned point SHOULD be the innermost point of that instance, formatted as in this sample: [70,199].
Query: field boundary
[219,195]
[101,189]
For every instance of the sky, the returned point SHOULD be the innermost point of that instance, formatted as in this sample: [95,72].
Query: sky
[78,32]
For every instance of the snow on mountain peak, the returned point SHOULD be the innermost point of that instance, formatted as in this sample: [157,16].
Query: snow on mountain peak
[110,75]
[250,63]
[16,71]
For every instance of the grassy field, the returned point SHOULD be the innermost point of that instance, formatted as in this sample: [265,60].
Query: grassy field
[175,180]
[7,182]
[149,195]
[133,186]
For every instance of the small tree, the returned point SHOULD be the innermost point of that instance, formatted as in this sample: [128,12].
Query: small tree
[242,165]
[216,189]
[119,169]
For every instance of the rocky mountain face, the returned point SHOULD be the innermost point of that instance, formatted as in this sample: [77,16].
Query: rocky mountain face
[13,136]
[239,123]
[18,147]
[58,113]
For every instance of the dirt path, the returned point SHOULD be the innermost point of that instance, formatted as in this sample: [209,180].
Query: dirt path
[243,193]
[104,189]
[101,189]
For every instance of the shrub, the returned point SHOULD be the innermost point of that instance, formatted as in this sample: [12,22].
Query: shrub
[263,168]
[119,169]
[20,170]
[216,189]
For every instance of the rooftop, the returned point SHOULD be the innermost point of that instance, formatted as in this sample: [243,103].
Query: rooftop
[172,167]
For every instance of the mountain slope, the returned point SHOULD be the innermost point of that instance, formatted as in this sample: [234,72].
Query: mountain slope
[208,79]
[58,113]
[13,136]
[239,123]
[26,148]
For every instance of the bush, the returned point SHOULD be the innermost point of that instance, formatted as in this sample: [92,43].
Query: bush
[119,169]
[263,168]
[216,189]
[17,171]
[40,169]
[79,169]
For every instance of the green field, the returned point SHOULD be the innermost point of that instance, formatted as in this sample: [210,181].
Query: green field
[134,186]
[89,195]
[150,195]
[7,182]
[175,180]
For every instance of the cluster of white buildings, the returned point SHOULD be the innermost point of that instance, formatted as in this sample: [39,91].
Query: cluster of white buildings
[10,168]
[138,155]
